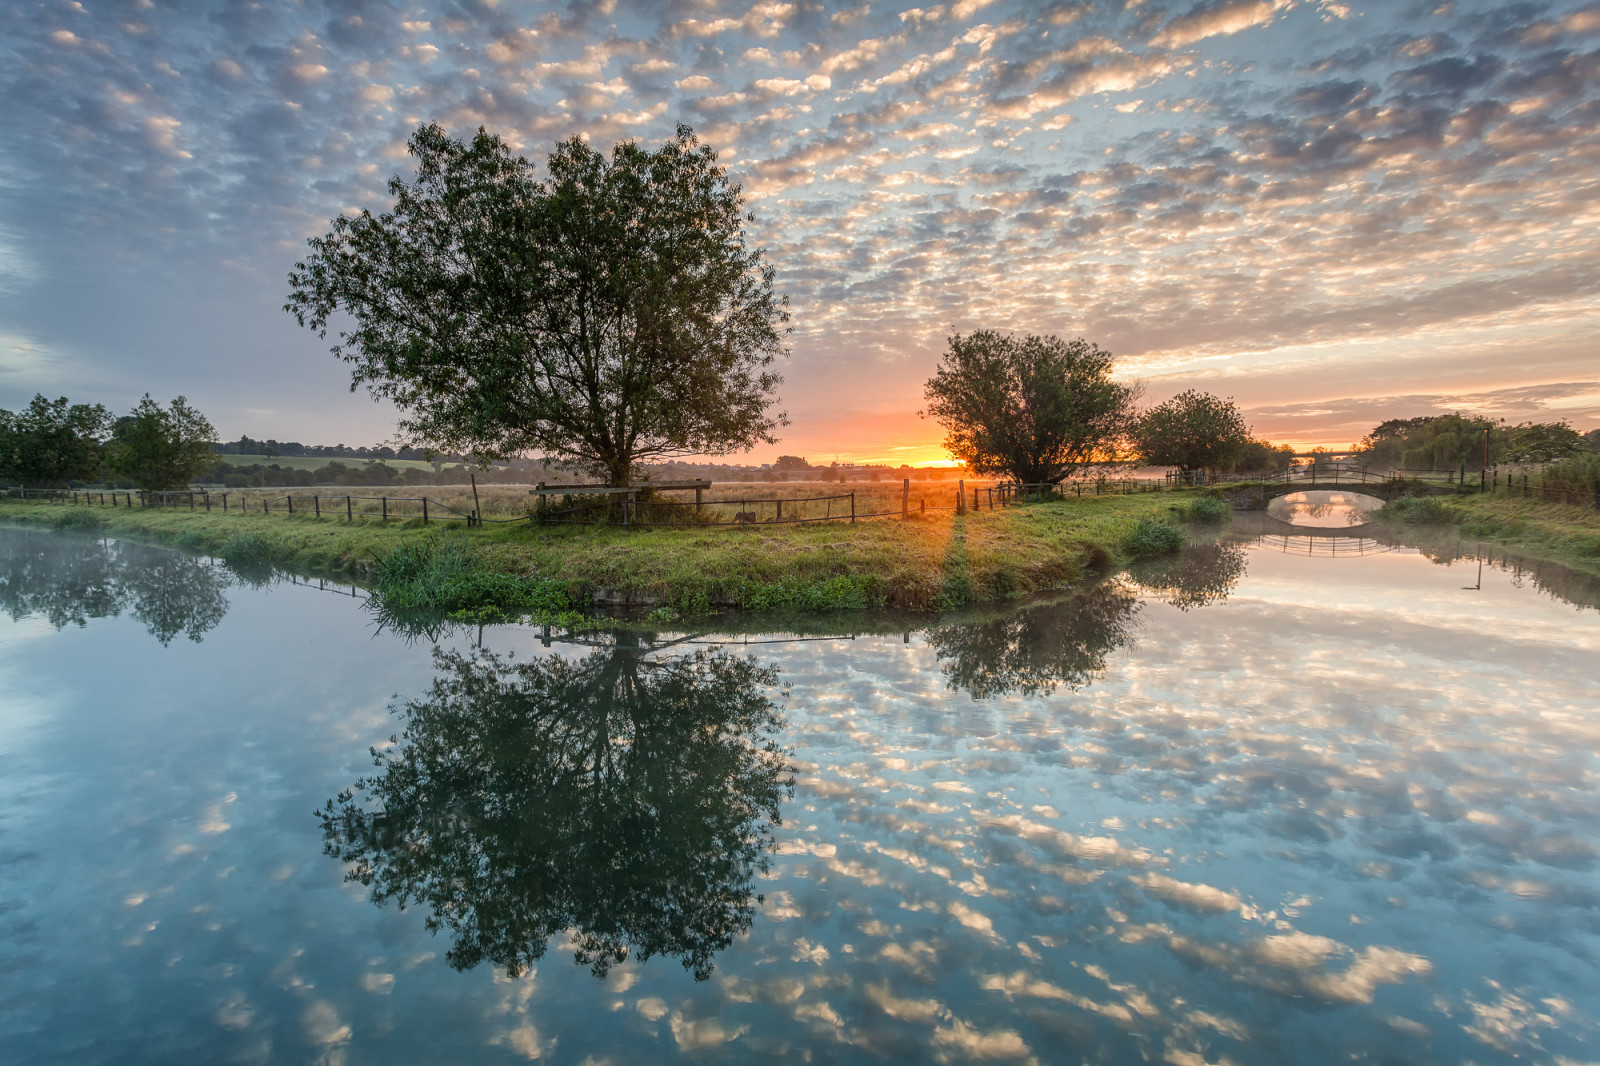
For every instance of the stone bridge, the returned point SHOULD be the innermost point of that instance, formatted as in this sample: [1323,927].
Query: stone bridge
[1255,495]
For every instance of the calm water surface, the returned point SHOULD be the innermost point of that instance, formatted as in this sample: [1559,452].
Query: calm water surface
[1288,799]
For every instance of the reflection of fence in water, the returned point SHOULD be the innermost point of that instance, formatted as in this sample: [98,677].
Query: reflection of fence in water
[1324,546]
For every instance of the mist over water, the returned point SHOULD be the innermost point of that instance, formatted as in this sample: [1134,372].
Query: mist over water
[1255,803]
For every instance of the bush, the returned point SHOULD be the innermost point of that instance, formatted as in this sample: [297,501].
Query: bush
[1409,508]
[1149,537]
[78,518]
[1210,510]
[1578,476]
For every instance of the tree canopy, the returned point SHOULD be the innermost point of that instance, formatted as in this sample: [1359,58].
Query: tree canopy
[1443,442]
[1032,408]
[161,448]
[1192,431]
[52,442]
[608,316]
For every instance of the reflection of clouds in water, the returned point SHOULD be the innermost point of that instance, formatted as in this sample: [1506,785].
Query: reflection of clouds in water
[1255,802]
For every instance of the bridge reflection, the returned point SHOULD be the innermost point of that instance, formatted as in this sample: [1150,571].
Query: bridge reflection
[1341,546]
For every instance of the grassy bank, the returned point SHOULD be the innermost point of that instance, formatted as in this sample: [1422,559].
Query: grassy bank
[1567,533]
[937,562]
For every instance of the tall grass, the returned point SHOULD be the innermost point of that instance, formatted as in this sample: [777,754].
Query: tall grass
[447,576]
[1150,537]
[1418,509]
[1208,510]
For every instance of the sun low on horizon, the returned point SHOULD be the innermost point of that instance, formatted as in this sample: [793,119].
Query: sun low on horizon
[1333,211]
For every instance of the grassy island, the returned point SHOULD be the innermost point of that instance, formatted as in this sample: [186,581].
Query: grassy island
[935,562]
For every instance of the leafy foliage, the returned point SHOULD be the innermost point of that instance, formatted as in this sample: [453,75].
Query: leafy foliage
[1410,508]
[1260,455]
[1192,431]
[625,796]
[1031,408]
[1544,442]
[610,316]
[1149,537]
[161,448]
[52,442]
[1209,510]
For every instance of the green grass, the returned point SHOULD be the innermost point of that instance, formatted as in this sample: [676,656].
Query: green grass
[1429,510]
[1208,510]
[927,563]
[1151,537]
[1567,533]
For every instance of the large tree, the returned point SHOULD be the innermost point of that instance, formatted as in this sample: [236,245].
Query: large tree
[607,316]
[1030,408]
[161,448]
[52,442]
[1192,431]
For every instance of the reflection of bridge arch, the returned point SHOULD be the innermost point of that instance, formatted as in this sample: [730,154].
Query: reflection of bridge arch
[1342,546]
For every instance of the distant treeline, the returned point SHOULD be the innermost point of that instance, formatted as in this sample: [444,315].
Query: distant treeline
[376,474]
[1444,442]
[293,449]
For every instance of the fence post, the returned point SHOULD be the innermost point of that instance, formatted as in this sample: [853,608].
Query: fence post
[780,509]
[316,504]
[266,508]
[208,501]
[385,500]
[349,512]
[424,510]
[290,498]
[852,508]
[905,498]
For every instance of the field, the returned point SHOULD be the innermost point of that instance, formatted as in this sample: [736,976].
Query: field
[316,462]
[937,561]
[722,499]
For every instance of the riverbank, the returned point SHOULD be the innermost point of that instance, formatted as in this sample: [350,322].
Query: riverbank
[1566,533]
[930,563]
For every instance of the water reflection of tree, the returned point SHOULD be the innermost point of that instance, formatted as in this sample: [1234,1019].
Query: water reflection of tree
[1032,650]
[68,580]
[1201,575]
[625,796]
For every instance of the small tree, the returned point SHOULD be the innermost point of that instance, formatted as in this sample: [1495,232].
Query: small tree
[1191,431]
[52,442]
[609,317]
[1031,408]
[161,449]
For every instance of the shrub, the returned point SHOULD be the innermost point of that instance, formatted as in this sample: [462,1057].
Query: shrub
[78,518]
[1410,508]
[1149,537]
[1210,510]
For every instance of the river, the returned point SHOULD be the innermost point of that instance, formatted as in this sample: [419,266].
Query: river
[1296,796]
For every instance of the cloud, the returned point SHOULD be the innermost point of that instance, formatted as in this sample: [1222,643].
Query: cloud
[1216,19]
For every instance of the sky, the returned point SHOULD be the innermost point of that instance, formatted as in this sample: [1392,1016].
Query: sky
[1333,211]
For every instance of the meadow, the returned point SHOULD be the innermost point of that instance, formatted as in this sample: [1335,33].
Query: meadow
[935,560]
